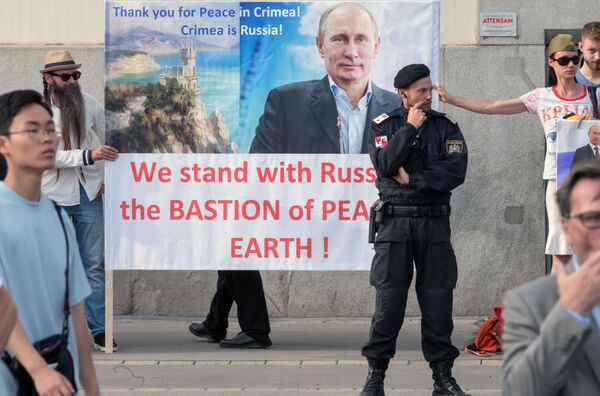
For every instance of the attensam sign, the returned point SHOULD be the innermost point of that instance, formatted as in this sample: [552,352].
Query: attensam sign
[501,24]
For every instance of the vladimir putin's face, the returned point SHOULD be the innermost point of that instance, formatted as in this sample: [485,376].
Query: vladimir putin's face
[348,44]
[594,135]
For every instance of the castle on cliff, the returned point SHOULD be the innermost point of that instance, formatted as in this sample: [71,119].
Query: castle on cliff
[185,73]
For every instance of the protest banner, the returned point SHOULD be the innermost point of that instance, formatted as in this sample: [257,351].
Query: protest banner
[186,85]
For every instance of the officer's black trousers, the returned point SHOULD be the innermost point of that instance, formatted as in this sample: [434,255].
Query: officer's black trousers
[245,288]
[400,240]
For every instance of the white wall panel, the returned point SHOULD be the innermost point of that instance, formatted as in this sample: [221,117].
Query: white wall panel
[458,22]
[38,22]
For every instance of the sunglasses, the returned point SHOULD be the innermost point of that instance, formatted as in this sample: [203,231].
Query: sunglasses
[564,60]
[66,76]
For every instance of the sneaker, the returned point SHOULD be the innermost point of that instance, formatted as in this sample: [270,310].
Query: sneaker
[100,343]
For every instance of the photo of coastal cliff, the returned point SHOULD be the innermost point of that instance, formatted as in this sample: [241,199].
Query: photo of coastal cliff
[167,93]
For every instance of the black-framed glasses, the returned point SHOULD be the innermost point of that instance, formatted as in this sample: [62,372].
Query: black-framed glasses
[36,133]
[66,76]
[588,219]
[564,60]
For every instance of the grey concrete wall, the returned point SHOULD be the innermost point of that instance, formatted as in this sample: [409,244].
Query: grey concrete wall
[20,67]
[498,214]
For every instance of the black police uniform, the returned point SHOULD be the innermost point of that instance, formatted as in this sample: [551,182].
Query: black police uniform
[414,226]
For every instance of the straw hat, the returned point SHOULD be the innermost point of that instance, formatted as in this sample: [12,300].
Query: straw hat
[59,60]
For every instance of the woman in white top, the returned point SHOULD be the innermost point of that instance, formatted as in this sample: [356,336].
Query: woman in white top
[562,97]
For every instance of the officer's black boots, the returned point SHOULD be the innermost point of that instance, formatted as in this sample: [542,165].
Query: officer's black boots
[443,382]
[374,384]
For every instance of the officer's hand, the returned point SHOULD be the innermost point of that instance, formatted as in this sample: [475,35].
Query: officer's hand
[442,93]
[580,291]
[402,177]
[585,115]
[416,116]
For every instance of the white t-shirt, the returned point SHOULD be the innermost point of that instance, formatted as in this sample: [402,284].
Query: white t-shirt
[551,107]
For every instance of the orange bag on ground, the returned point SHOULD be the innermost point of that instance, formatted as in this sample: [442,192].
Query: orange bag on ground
[488,339]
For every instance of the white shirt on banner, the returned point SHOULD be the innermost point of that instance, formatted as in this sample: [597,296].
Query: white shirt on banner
[351,121]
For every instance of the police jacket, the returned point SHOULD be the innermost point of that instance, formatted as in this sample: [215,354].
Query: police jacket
[435,157]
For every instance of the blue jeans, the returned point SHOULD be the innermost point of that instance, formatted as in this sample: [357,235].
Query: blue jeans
[88,219]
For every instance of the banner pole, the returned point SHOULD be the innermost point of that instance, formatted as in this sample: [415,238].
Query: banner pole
[108,313]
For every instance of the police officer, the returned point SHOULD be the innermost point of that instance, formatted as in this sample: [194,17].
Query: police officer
[420,156]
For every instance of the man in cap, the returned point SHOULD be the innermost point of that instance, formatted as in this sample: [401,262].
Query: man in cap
[77,183]
[420,156]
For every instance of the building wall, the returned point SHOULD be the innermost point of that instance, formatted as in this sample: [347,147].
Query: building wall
[497,216]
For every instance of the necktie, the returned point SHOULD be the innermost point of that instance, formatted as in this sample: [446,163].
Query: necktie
[596,153]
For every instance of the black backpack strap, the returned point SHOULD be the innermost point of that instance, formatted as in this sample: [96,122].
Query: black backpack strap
[65,331]
[594,99]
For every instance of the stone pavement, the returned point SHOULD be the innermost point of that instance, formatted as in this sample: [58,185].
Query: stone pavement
[308,357]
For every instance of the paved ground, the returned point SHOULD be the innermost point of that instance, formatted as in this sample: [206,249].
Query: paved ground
[308,357]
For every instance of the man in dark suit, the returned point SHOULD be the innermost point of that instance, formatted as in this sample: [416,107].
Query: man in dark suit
[331,115]
[590,150]
[303,118]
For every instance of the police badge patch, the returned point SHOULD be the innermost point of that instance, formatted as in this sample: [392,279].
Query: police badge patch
[454,146]
[381,141]
[382,117]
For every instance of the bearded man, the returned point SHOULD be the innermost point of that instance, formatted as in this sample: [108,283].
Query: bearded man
[589,74]
[77,183]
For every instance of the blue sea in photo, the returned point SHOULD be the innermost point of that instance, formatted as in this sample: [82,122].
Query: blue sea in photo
[218,81]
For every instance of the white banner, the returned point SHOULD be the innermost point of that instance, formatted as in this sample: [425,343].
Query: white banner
[239,211]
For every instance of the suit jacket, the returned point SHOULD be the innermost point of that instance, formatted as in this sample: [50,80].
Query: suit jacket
[302,118]
[583,153]
[547,351]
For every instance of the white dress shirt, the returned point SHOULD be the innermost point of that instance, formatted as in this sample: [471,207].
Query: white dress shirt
[351,121]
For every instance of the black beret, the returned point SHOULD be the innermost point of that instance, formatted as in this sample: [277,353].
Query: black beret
[411,73]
